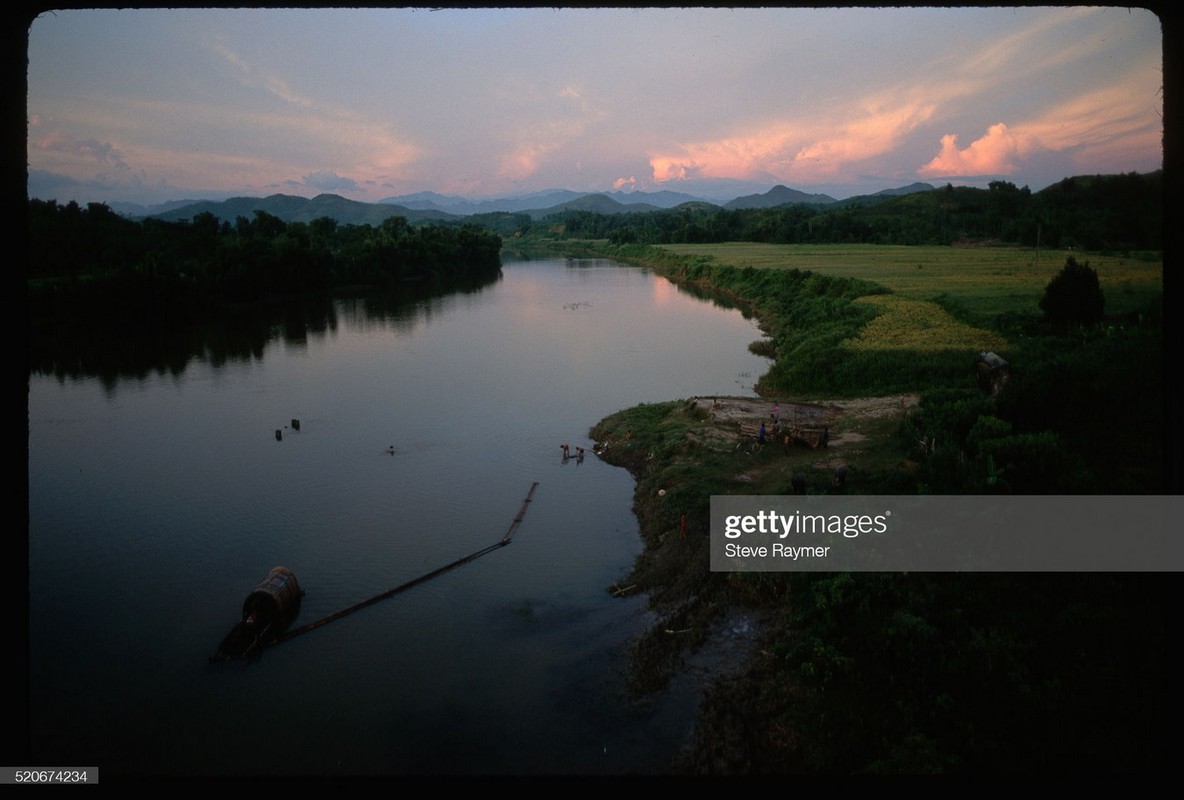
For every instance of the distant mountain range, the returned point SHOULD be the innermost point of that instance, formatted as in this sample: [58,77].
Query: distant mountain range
[640,201]
[426,206]
[778,196]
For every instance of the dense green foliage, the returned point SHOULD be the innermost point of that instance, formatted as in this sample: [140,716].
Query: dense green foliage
[893,673]
[1074,296]
[91,257]
[973,674]
[1114,212]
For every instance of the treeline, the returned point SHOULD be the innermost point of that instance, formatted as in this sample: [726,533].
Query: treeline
[1100,213]
[92,255]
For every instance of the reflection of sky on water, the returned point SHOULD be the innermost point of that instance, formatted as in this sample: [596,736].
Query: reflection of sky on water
[156,504]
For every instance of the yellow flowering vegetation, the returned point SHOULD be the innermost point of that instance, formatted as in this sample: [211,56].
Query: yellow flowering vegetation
[905,324]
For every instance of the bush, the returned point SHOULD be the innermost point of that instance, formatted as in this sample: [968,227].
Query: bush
[1074,296]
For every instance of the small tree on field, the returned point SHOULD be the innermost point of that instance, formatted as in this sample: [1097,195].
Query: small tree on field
[1074,296]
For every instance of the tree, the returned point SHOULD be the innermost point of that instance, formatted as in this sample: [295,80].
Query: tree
[1008,209]
[1073,296]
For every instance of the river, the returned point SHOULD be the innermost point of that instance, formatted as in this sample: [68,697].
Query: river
[158,500]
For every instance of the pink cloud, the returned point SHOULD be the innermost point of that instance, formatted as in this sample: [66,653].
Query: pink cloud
[523,161]
[796,151]
[1110,126]
[57,142]
[1109,129]
[992,154]
[733,157]
[667,168]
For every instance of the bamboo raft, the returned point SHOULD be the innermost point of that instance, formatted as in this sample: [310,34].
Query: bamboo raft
[505,540]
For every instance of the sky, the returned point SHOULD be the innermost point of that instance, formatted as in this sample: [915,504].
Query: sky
[154,105]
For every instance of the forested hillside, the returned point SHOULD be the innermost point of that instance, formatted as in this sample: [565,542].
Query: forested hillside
[1114,212]
[85,255]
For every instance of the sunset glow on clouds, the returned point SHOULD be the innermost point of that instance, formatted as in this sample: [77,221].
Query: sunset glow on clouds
[993,154]
[151,105]
[1093,131]
[800,153]
[563,121]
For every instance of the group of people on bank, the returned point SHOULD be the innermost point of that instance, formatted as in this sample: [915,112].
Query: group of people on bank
[839,479]
[785,434]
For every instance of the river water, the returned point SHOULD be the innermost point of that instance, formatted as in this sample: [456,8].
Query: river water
[157,501]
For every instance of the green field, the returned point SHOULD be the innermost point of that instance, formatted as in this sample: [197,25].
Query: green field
[977,284]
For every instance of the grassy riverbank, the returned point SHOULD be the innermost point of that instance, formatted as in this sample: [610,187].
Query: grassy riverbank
[682,452]
[891,673]
[906,673]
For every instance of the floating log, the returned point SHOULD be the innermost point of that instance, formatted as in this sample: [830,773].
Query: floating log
[521,514]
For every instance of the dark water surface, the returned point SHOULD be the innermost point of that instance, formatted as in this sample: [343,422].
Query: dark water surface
[156,503]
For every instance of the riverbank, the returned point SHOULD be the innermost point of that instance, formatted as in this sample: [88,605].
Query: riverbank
[896,673]
[872,673]
[682,452]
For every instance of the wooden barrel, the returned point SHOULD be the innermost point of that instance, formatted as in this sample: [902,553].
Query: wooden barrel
[275,598]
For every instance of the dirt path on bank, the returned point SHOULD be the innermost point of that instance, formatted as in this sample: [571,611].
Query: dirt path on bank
[852,425]
[754,410]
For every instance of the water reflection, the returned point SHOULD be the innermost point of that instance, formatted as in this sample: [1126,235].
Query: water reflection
[153,510]
[165,344]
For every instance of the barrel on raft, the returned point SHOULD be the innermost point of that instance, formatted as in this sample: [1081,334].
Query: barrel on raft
[267,612]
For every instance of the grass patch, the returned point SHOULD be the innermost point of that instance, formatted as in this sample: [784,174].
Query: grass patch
[921,325]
